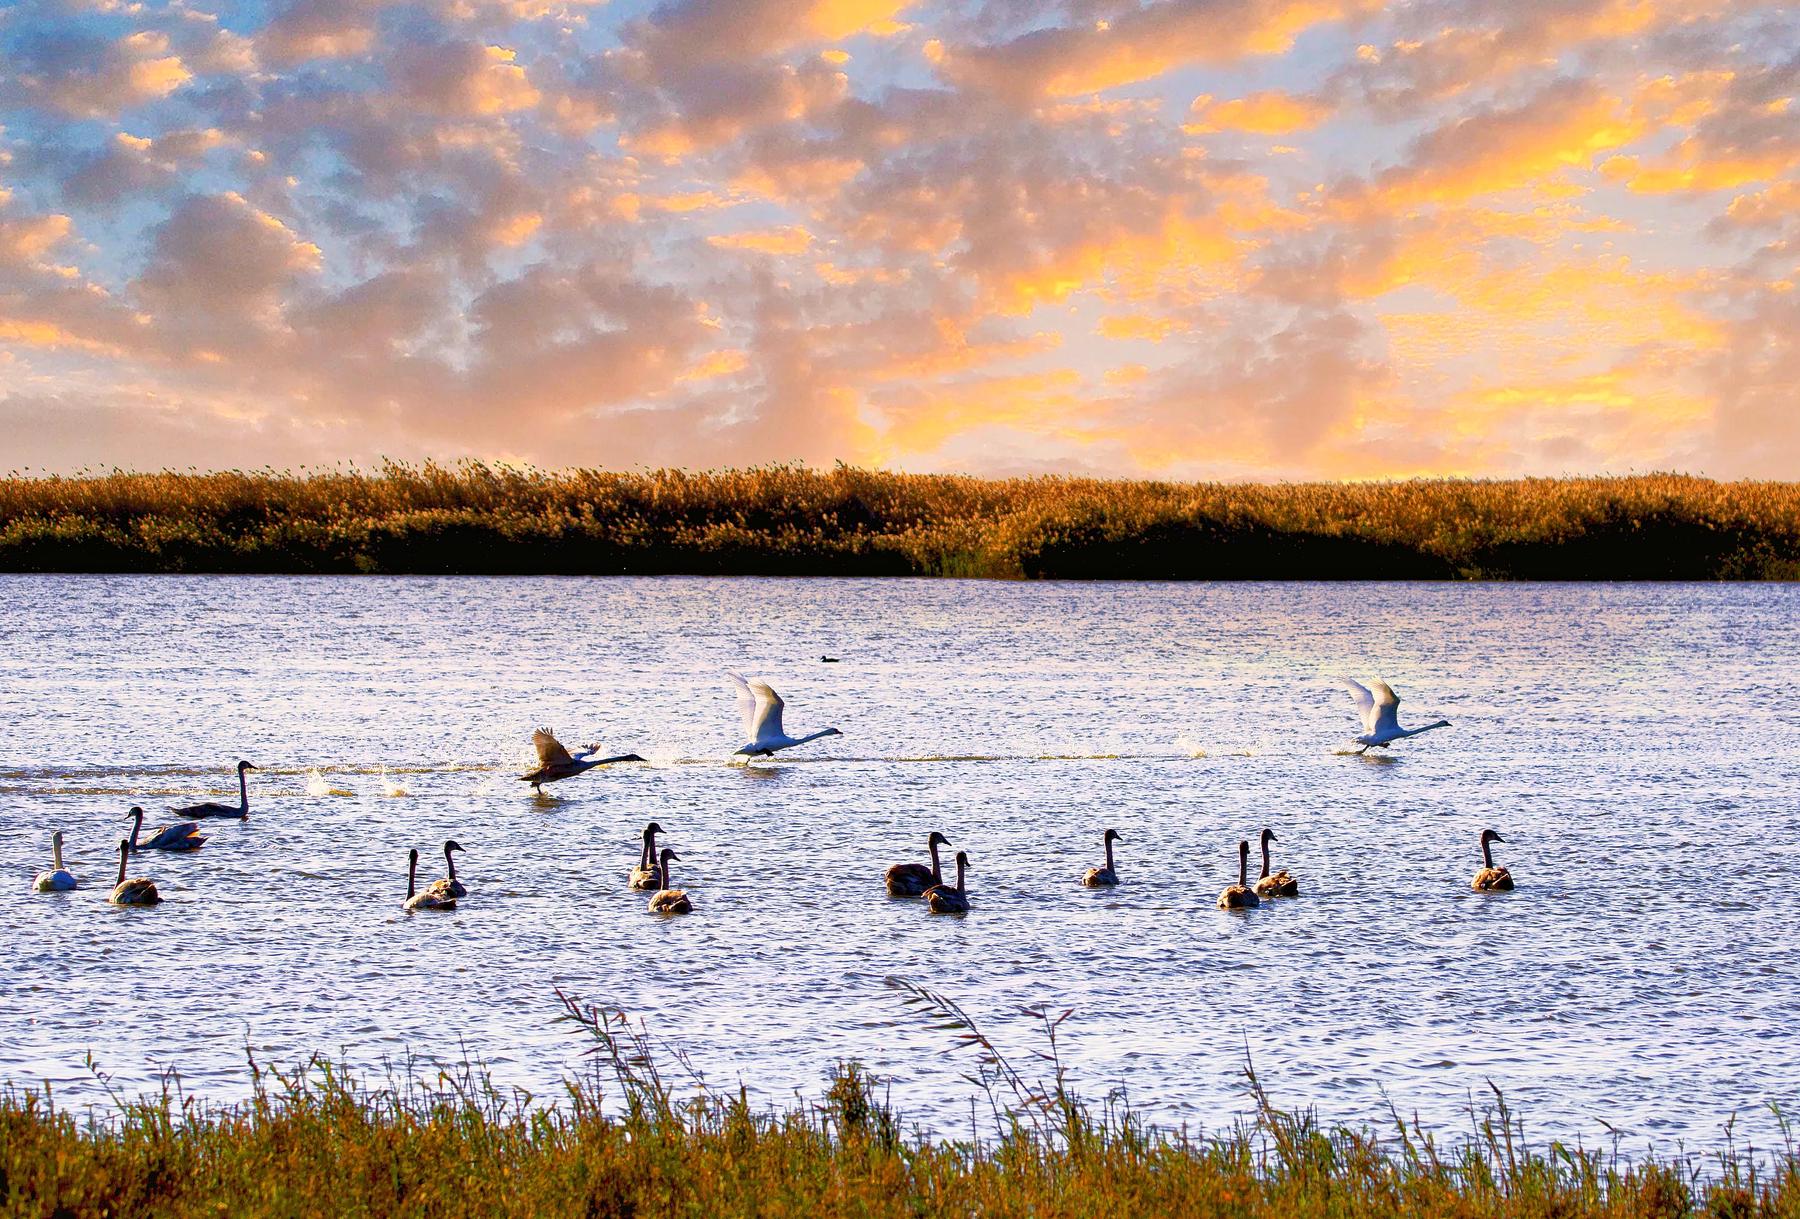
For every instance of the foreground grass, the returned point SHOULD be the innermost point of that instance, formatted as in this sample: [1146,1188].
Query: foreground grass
[316,1143]
[789,521]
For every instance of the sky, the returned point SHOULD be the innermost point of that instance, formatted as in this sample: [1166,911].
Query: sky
[1223,239]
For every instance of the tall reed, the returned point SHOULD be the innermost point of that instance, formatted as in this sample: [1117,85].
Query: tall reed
[318,1141]
[476,518]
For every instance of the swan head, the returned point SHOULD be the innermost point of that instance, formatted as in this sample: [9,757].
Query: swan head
[452,845]
[831,732]
[668,854]
[653,829]
[1111,835]
[124,846]
[412,858]
[243,766]
[1488,836]
[1244,847]
[1268,835]
[936,840]
[56,839]
[962,859]
[137,811]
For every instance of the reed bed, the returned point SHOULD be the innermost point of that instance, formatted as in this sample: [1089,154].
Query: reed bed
[315,1141]
[787,520]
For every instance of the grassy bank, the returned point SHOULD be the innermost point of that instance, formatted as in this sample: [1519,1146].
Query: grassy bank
[790,521]
[315,1142]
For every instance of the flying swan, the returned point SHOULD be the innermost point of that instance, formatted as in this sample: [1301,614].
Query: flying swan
[761,708]
[555,762]
[1380,711]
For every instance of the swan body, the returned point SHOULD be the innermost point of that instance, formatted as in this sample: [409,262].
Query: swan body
[134,892]
[943,899]
[212,808]
[182,836]
[912,879]
[1240,896]
[670,901]
[1491,879]
[450,886]
[555,762]
[1279,884]
[648,873]
[58,879]
[761,709]
[1379,709]
[430,899]
[1105,877]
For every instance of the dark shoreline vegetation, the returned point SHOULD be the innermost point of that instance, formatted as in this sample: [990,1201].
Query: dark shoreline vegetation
[316,1141]
[785,520]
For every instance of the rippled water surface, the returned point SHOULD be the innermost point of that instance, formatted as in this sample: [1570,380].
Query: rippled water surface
[1638,746]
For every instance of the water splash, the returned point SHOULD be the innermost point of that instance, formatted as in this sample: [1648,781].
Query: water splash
[316,785]
[391,786]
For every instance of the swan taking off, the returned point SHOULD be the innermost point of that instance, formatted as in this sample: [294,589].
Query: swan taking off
[58,879]
[182,836]
[1491,879]
[1380,710]
[212,808]
[555,762]
[912,879]
[134,892]
[1103,878]
[761,708]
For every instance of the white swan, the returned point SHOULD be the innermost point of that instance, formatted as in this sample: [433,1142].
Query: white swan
[1380,710]
[58,880]
[761,708]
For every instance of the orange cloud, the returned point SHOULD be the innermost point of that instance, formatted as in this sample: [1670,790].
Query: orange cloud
[790,239]
[1271,113]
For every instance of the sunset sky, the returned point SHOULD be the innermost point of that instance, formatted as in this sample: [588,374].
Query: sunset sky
[1303,238]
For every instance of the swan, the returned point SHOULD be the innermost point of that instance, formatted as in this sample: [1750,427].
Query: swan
[1280,884]
[213,808]
[670,901]
[555,762]
[1491,879]
[1103,878]
[450,887]
[1379,711]
[58,879]
[648,873]
[1240,896]
[134,892]
[912,879]
[943,899]
[761,708]
[430,899]
[181,836]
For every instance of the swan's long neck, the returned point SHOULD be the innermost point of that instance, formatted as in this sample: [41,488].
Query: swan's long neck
[137,824]
[812,736]
[1487,854]
[412,875]
[937,871]
[1265,847]
[1244,866]
[1426,728]
[1109,863]
[56,850]
[665,875]
[244,792]
[960,865]
[649,858]
[450,862]
[124,850]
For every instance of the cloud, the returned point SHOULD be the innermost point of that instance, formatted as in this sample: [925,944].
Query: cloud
[88,76]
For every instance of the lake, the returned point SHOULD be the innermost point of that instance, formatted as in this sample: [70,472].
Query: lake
[1637,745]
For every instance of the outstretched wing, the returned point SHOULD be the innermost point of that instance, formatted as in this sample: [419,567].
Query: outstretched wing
[549,749]
[1387,708]
[1365,702]
[768,711]
[746,701]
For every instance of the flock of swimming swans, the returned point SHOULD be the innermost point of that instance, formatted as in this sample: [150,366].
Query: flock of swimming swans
[1377,706]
